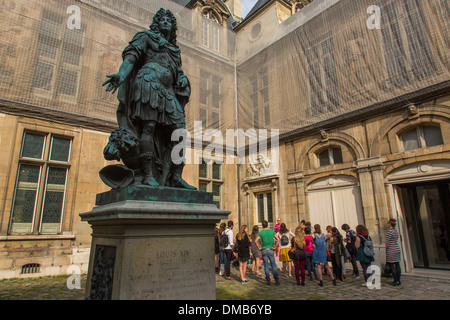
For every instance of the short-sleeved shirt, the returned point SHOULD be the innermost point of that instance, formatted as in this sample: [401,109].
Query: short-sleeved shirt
[267,238]
[229,233]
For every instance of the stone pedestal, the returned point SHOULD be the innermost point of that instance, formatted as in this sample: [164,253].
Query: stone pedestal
[152,243]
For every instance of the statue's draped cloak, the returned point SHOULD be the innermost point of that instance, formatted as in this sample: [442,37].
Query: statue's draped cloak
[143,96]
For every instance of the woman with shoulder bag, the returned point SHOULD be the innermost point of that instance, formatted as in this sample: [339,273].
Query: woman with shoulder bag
[299,258]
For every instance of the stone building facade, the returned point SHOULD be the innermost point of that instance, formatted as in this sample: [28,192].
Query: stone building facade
[362,112]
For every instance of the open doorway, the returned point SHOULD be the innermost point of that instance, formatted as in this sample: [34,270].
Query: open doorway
[426,208]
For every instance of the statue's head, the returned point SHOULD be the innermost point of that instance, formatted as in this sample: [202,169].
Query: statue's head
[165,19]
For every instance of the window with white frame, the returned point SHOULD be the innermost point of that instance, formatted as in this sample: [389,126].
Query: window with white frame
[211,30]
[421,137]
[211,180]
[40,189]
[264,207]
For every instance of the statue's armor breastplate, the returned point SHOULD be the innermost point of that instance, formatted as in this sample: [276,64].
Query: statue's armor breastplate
[158,62]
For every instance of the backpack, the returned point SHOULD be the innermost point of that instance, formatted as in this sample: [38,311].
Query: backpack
[368,247]
[224,241]
[284,240]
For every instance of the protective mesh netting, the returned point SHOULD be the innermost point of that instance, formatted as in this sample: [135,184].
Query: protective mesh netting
[321,63]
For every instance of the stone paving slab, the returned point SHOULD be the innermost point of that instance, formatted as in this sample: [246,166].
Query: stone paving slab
[412,288]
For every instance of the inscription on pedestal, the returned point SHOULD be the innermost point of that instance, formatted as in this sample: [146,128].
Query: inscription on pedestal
[174,269]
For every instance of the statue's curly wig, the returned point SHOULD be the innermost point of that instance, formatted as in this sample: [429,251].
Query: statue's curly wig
[157,17]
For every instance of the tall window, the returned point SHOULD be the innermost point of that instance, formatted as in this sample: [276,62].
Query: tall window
[210,99]
[210,180]
[260,98]
[211,31]
[57,68]
[406,45]
[421,137]
[39,194]
[265,207]
[322,77]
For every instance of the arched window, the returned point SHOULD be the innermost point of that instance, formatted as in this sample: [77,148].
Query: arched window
[330,156]
[210,15]
[421,137]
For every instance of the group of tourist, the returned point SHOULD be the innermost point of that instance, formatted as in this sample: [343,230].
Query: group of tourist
[308,251]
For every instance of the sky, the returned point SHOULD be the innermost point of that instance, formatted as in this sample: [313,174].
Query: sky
[246,6]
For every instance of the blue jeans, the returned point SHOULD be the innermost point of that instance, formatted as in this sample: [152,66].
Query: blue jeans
[267,256]
[223,258]
[310,265]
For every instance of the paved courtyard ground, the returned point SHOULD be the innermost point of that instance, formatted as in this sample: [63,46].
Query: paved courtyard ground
[412,288]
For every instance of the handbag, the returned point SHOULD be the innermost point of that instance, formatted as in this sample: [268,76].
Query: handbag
[292,252]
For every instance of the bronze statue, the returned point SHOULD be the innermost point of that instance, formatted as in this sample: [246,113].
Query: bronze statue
[152,92]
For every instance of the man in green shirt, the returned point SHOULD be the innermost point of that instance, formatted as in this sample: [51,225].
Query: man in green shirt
[267,236]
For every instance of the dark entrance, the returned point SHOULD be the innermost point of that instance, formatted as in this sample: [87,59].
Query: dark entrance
[426,207]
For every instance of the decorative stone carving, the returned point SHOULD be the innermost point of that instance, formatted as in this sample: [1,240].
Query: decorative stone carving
[259,167]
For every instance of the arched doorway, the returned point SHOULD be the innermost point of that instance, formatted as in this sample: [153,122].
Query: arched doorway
[335,201]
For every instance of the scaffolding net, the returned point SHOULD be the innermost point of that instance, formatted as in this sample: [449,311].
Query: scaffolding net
[329,60]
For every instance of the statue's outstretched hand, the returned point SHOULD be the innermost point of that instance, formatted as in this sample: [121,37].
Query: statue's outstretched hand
[114,82]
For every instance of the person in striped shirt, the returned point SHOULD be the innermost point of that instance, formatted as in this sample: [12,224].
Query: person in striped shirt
[393,254]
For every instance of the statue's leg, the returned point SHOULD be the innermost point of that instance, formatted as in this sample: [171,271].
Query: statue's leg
[147,152]
[176,170]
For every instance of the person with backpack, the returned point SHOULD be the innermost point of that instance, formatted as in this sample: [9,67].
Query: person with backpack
[226,240]
[298,244]
[309,250]
[285,237]
[364,246]
[350,238]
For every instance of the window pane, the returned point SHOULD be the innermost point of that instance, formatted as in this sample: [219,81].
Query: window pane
[324,158]
[33,145]
[410,140]
[269,208]
[53,201]
[203,186]
[72,47]
[337,155]
[203,170]
[217,171]
[25,198]
[43,75]
[68,82]
[433,136]
[60,149]
[217,193]
[260,207]
[216,189]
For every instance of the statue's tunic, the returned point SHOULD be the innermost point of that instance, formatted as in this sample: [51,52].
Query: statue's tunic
[150,91]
